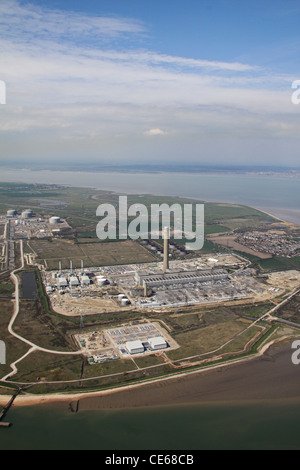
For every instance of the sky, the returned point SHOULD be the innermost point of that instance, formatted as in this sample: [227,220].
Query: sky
[135,81]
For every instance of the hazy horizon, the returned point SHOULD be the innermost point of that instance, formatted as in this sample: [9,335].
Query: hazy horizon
[60,165]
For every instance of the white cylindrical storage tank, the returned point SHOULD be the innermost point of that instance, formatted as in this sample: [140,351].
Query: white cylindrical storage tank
[121,296]
[11,213]
[124,301]
[27,214]
[101,280]
[54,220]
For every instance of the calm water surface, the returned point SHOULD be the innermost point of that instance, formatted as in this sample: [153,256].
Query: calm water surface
[278,195]
[250,426]
[29,289]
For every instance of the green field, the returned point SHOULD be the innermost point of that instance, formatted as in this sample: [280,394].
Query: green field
[93,254]
[79,205]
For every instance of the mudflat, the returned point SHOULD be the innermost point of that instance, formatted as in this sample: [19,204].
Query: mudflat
[272,376]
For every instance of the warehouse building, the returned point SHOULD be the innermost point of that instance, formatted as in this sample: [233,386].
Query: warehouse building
[135,347]
[157,343]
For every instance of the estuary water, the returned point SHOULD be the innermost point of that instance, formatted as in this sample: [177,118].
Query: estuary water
[196,427]
[278,195]
[254,405]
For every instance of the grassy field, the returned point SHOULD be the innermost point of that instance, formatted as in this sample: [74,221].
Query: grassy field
[276,263]
[204,340]
[6,287]
[93,254]
[79,205]
[14,347]
[291,311]
[111,367]
[41,365]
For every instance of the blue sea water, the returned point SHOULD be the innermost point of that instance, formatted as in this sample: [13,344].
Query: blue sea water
[278,195]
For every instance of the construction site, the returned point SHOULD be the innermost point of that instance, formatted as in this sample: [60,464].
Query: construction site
[139,339]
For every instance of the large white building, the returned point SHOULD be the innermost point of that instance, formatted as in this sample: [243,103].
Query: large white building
[54,220]
[85,281]
[182,277]
[62,282]
[157,343]
[135,347]
[74,282]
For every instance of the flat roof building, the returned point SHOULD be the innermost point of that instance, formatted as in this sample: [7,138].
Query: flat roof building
[135,347]
[157,343]
[183,277]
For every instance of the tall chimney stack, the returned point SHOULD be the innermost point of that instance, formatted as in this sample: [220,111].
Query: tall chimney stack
[166,249]
[71,267]
[82,267]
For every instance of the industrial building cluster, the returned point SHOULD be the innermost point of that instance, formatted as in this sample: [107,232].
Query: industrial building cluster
[272,242]
[145,286]
[138,339]
[70,280]
[79,282]
[179,278]
[141,338]
[27,225]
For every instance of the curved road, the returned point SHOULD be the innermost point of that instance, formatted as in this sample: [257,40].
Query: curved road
[33,347]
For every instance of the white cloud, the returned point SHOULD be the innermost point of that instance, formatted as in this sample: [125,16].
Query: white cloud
[33,21]
[67,79]
[154,132]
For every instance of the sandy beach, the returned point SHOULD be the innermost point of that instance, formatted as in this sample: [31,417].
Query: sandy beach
[271,376]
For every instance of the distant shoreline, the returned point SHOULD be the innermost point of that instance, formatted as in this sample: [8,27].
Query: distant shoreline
[214,171]
[129,183]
